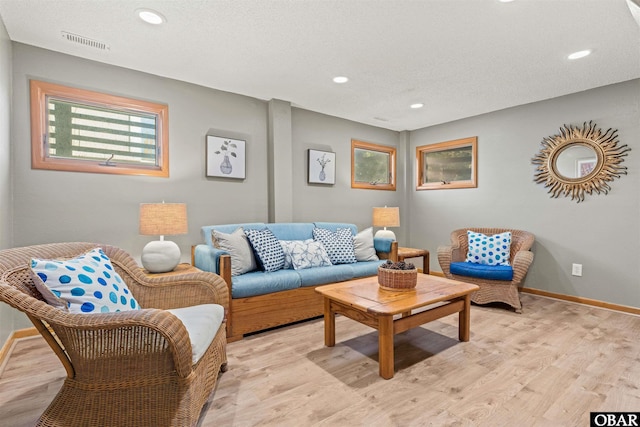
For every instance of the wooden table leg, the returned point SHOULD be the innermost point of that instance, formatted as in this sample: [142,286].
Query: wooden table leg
[385,346]
[465,319]
[329,324]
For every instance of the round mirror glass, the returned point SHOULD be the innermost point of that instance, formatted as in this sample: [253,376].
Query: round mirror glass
[576,161]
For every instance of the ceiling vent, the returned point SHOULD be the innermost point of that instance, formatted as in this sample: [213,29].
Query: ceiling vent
[75,38]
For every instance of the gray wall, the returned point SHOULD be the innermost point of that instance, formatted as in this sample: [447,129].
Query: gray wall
[602,233]
[338,202]
[52,206]
[6,312]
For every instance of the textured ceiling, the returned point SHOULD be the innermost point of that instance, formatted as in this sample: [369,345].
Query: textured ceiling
[459,57]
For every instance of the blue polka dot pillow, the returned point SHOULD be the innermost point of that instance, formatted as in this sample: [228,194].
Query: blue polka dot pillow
[339,245]
[86,284]
[489,250]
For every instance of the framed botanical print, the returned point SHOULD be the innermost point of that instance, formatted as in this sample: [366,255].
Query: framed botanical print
[322,167]
[226,157]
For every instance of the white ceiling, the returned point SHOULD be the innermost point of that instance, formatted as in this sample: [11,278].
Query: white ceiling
[459,57]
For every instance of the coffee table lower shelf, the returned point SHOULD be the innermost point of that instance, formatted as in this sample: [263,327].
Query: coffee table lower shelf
[363,301]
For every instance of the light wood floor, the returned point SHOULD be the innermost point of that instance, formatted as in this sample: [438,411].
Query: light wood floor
[549,366]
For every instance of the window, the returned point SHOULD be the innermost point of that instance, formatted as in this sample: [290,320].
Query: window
[84,131]
[451,164]
[373,166]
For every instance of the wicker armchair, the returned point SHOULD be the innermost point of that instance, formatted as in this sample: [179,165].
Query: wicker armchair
[127,368]
[491,290]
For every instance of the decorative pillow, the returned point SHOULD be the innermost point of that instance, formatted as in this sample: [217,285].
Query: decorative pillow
[286,248]
[489,250]
[363,244]
[237,244]
[86,284]
[267,248]
[305,254]
[339,245]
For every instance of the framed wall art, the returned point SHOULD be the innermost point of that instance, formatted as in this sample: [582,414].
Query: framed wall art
[226,157]
[322,167]
[451,164]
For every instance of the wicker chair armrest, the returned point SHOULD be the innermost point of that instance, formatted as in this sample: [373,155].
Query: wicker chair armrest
[113,332]
[521,262]
[444,258]
[179,290]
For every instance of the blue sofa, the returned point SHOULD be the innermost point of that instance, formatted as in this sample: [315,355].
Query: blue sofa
[262,300]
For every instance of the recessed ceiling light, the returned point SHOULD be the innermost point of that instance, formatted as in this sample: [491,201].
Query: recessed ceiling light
[580,54]
[340,79]
[151,16]
[505,1]
[417,105]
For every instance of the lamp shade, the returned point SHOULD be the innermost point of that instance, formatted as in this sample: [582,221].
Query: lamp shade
[386,217]
[160,219]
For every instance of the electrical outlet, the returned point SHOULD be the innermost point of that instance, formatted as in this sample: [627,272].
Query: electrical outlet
[576,269]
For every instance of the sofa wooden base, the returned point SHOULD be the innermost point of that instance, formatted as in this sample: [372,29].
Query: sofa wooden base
[260,312]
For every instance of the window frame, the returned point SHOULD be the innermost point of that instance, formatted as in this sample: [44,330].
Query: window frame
[385,149]
[40,158]
[471,142]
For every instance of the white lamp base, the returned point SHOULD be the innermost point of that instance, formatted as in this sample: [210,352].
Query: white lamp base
[160,256]
[385,234]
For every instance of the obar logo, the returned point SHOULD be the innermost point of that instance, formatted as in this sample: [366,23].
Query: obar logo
[622,419]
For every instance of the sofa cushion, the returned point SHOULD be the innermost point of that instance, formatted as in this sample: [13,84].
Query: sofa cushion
[301,254]
[267,249]
[85,284]
[489,250]
[366,268]
[363,245]
[202,323]
[291,230]
[323,275]
[238,247]
[339,244]
[262,282]
[481,271]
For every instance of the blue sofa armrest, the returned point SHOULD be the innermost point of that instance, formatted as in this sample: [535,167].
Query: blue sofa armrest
[207,258]
[382,244]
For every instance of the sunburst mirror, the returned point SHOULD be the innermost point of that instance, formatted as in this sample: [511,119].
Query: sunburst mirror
[580,161]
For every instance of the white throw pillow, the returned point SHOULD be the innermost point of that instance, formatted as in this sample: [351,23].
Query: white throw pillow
[237,244]
[303,254]
[489,250]
[363,244]
[85,284]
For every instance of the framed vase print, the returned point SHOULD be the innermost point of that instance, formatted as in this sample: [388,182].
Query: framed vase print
[226,157]
[322,167]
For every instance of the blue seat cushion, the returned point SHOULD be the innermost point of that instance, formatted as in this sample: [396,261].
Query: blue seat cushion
[480,271]
[263,282]
[366,268]
[322,275]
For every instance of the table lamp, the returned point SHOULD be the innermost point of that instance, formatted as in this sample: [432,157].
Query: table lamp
[160,219]
[386,217]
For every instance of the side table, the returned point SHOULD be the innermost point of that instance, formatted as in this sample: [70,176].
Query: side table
[182,268]
[415,253]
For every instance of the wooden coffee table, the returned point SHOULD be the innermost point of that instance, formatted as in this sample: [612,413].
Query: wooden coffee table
[362,300]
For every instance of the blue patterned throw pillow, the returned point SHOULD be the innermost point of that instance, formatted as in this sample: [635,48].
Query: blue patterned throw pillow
[489,250]
[267,248]
[339,245]
[85,284]
[300,254]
